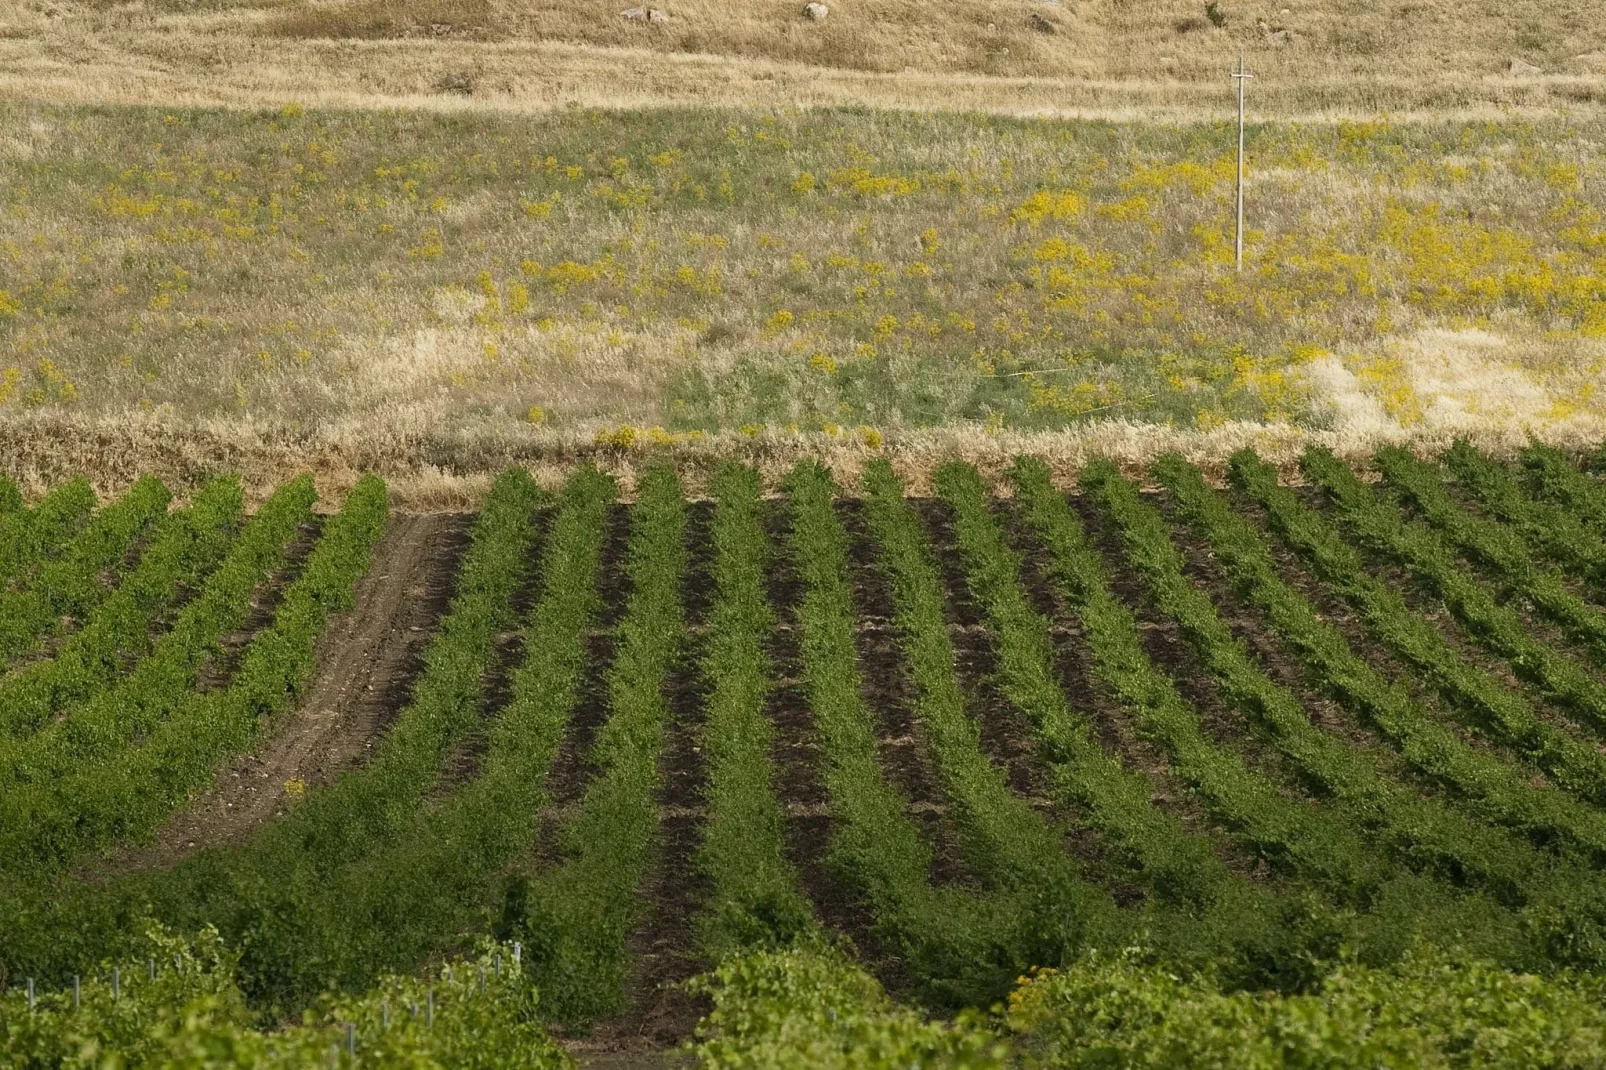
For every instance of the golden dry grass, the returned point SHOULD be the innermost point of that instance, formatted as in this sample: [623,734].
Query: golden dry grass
[451,473]
[658,279]
[1118,58]
[1110,39]
[152,317]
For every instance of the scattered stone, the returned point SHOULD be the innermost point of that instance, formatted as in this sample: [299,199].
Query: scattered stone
[1523,67]
[440,29]
[635,14]
[816,11]
[1282,37]
[1042,25]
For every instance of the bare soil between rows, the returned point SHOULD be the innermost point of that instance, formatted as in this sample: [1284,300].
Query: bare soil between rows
[367,660]
[664,952]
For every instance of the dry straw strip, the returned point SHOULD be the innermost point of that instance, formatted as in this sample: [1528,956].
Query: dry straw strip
[181,67]
[452,472]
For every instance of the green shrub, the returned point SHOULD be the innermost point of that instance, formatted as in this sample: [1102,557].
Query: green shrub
[182,1008]
[813,1008]
[1432,1010]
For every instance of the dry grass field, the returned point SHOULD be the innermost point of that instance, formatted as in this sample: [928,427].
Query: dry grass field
[434,238]
[996,54]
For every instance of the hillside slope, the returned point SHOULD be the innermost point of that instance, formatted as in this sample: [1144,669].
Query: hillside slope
[1059,56]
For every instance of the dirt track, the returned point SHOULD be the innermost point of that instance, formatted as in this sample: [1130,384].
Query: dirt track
[366,662]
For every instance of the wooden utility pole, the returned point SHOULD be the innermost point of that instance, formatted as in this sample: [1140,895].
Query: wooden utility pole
[1241,75]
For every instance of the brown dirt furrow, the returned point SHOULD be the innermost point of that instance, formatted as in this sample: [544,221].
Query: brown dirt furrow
[1420,597]
[1111,722]
[219,668]
[367,660]
[462,764]
[811,825]
[890,692]
[496,689]
[664,948]
[1006,733]
[665,945]
[1170,652]
[1281,663]
[1338,612]
[571,772]
[47,646]
[801,811]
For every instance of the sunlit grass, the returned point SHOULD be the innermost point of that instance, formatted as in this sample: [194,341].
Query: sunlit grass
[653,276]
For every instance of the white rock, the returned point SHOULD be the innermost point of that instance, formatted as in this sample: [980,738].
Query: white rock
[1282,37]
[1521,66]
[654,15]
[816,11]
[635,14]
